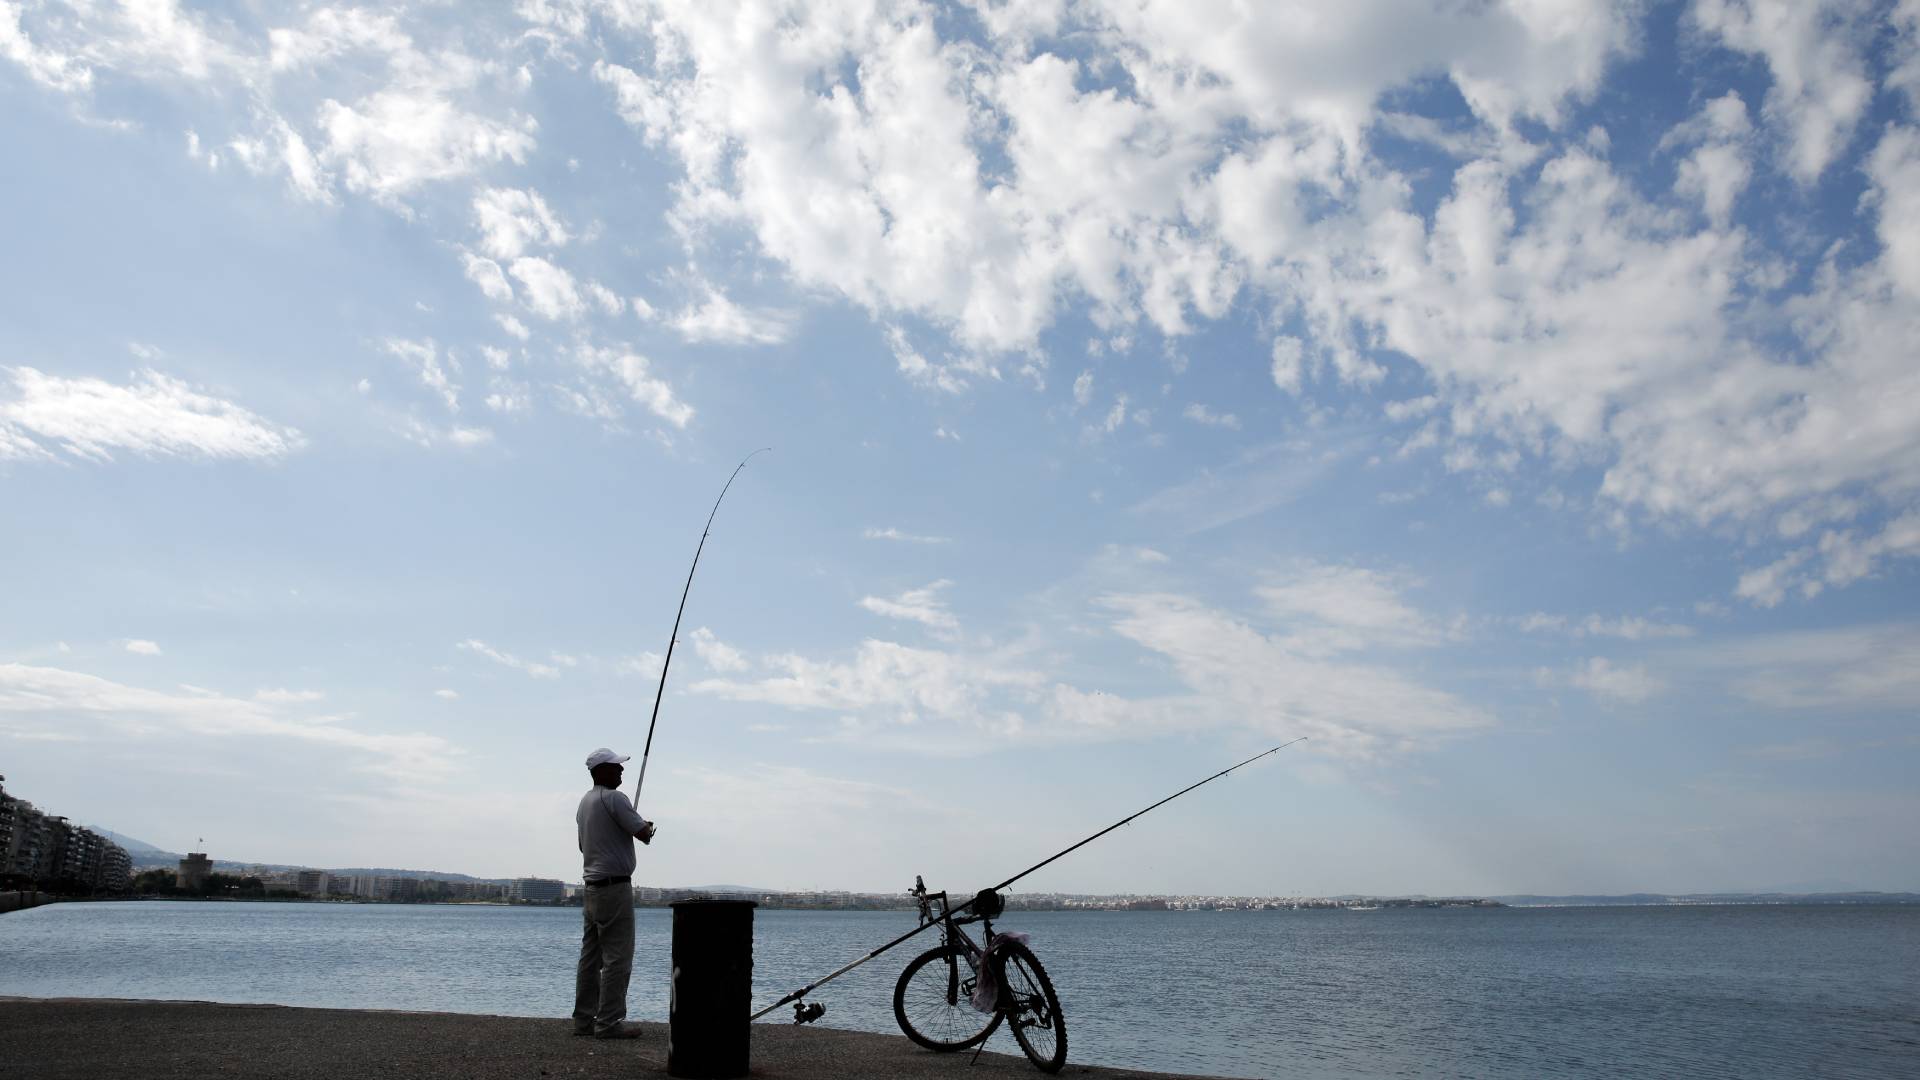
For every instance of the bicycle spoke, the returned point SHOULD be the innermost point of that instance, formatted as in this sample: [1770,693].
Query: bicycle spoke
[1033,1009]
[936,1011]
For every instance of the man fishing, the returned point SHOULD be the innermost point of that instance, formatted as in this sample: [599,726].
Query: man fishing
[608,825]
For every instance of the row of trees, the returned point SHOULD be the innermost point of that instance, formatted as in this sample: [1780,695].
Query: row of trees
[228,886]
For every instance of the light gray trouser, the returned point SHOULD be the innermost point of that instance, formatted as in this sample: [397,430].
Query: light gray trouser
[606,958]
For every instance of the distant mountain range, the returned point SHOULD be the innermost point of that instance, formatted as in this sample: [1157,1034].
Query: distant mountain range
[147,856]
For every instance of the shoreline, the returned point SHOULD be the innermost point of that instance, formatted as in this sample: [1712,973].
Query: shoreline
[128,1039]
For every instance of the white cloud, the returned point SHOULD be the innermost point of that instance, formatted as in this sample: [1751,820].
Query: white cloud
[1083,389]
[486,274]
[153,416]
[421,433]
[283,696]
[1253,482]
[508,396]
[334,32]
[1717,171]
[531,667]
[1814,50]
[87,706]
[886,688]
[513,326]
[922,605]
[718,320]
[1840,558]
[635,376]
[1228,674]
[1768,585]
[512,220]
[608,301]
[1286,363]
[645,664]
[1600,677]
[1625,627]
[289,152]
[888,190]
[891,533]
[424,357]
[1871,667]
[950,376]
[1341,608]
[1200,414]
[980,188]
[48,67]
[1280,684]
[447,694]
[549,290]
[718,655]
[400,138]
[142,647]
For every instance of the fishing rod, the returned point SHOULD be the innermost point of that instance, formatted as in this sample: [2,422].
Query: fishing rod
[811,987]
[675,635]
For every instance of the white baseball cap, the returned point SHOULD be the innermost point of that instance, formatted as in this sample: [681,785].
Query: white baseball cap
[604,756]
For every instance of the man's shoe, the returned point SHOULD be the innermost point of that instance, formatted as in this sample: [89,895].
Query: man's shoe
[623,1030]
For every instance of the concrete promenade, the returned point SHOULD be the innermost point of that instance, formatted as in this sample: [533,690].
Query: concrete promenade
[16,901]
[101,1039]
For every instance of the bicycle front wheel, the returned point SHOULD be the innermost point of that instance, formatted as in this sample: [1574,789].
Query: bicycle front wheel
[933,1001]
[1034,1007]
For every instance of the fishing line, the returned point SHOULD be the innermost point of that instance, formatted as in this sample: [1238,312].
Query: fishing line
[958,909]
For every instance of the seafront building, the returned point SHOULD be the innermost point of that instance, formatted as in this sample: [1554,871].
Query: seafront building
[537,890]
[47,851]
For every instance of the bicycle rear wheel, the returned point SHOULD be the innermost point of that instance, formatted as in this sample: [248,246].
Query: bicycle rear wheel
[933,1001]
[1034,1008]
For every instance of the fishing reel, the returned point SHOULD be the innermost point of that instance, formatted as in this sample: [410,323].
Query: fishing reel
[989,903]
[809,1012]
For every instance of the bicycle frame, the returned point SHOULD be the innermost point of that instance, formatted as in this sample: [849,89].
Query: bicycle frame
[952,934]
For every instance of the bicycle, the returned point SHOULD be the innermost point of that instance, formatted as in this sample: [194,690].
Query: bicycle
[941,1003]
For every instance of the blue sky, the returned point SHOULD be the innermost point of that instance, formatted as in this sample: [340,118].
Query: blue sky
[1519,400]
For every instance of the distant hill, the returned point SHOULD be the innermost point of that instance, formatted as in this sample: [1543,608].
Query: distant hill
[148,856]
[136,848]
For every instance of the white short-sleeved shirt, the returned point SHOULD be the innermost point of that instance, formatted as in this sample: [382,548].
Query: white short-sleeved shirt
[607,822]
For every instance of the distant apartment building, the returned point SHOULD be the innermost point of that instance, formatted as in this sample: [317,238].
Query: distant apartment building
[116,870]
[399,888]
[537,890]
[43,849]
[311,882]
[473,890]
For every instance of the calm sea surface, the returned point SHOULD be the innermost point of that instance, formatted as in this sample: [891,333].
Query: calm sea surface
[1544,992]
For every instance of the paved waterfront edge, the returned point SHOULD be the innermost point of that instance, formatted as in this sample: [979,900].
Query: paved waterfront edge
[116,1039]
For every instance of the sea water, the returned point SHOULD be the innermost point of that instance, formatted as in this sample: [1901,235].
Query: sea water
[1761,991]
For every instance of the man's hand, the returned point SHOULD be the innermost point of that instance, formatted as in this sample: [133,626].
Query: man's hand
[645,835]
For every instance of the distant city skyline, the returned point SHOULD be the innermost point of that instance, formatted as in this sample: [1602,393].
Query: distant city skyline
[1518,399]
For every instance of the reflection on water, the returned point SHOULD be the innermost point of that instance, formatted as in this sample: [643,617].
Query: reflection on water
[1722,992]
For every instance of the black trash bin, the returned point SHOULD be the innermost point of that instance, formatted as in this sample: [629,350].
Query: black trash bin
[708,1033]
